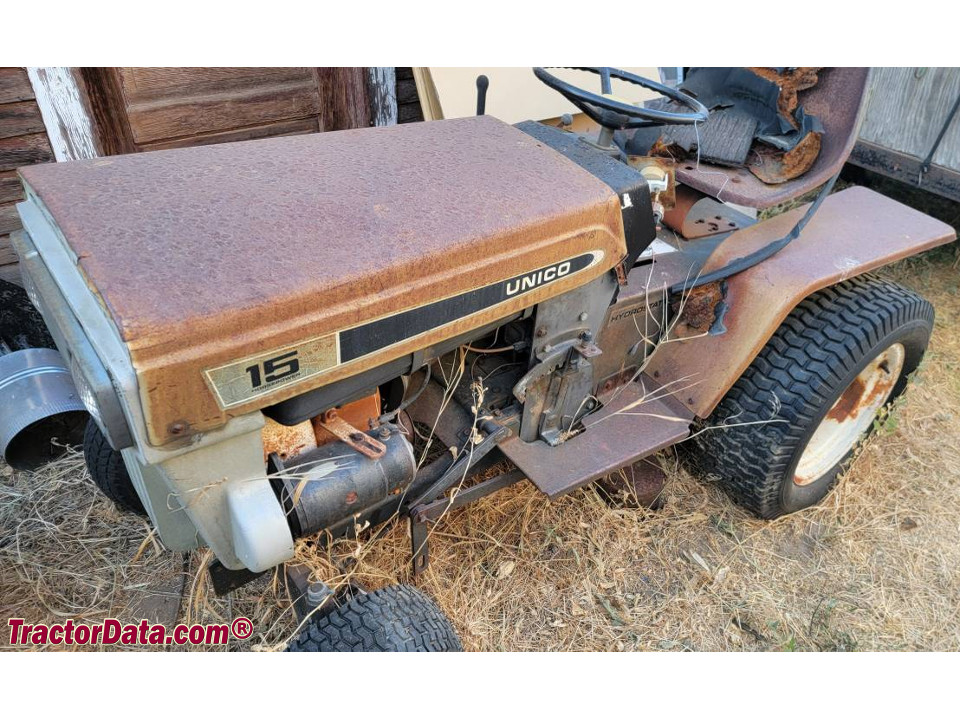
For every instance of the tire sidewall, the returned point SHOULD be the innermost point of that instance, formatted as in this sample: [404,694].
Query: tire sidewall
[914,335]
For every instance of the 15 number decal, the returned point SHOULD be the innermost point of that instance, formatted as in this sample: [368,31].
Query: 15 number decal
[276,368]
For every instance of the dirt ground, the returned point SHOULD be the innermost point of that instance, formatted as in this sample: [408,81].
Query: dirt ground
[873,568]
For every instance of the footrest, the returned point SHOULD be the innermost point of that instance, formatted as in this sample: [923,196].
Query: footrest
[637,420]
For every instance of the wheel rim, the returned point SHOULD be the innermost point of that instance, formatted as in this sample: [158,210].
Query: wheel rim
[851,415]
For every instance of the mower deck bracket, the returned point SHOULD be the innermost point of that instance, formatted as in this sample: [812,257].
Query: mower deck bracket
[430,511]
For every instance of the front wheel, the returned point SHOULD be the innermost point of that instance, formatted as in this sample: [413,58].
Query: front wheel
[397,618]
[106,467]
[790,425]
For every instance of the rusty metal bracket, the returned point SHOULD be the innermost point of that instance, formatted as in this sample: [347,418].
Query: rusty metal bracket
[432,511]
[552,358]
[418,542]
[359,441]
[695,215]
[425,504]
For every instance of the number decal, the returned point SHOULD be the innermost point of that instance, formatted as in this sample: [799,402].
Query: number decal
[256,375]
[275,368]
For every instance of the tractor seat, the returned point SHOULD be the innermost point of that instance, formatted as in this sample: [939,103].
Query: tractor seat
[837,100]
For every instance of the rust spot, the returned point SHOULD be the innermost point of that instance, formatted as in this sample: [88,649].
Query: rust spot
[790,83]
[776,167]
[287,441]
[351,497]
[699,310]
[847,406]
[856,397]
[640,485]
[358,413]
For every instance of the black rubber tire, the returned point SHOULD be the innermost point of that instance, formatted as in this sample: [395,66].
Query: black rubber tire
[811,359]
[106,467]
[397,618]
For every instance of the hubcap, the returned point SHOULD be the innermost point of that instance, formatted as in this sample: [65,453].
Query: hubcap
[851,415]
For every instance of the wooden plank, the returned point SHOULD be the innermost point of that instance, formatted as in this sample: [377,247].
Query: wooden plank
[907,169]
[427,92]
[344,98]
[167,103]
[300,126]
[65,111]
[24,150]
[905,112]
[7,254]
[409,113]
[9,219]
[20,118]
[14,85]
[408,102]
[383,96]
[108,110]
[10,188]
[11,273]
[407,92]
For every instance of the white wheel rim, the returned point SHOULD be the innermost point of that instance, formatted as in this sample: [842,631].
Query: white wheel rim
[851,415]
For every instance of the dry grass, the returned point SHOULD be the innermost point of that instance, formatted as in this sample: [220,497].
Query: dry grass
[873,568]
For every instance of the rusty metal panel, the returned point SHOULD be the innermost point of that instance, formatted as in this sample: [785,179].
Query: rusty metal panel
[837,100]
[855,231]
[637,419]
[695,215]
[206,255]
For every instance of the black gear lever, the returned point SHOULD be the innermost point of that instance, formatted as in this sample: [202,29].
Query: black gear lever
[483,82]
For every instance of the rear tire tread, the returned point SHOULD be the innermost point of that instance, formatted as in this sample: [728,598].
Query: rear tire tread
[817,345]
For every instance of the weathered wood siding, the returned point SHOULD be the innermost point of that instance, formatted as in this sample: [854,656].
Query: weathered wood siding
[907,108]
[139,109]
[408,102]
[23,141]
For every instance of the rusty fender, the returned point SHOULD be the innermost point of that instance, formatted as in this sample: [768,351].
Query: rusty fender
[855,231]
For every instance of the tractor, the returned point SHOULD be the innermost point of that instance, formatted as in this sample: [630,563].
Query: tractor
[315,336]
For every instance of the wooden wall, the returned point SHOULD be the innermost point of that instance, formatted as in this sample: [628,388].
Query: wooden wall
[141,109]
[908,107]
[408,102]
[23,141]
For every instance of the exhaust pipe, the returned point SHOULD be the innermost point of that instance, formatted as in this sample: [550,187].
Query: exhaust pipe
[40,408]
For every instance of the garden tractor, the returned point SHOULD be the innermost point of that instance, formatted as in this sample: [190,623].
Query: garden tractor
[311,337]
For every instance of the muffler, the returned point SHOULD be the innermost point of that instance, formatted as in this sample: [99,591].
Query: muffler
[40,409]
[325,486]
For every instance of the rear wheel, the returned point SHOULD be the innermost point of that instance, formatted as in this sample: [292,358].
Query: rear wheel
[108,471]
[397,618]
[790,425]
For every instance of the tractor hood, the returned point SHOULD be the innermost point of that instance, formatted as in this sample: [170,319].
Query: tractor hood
[244,274]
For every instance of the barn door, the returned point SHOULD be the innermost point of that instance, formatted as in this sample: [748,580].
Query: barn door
[138,109]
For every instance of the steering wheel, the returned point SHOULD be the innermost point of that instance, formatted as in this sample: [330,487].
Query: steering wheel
[614,114]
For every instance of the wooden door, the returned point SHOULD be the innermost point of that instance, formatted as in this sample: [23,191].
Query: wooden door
[140,109]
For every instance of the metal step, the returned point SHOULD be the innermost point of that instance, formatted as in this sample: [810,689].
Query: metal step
[637,420]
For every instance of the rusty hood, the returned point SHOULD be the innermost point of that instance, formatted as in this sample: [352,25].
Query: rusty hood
[214,260]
